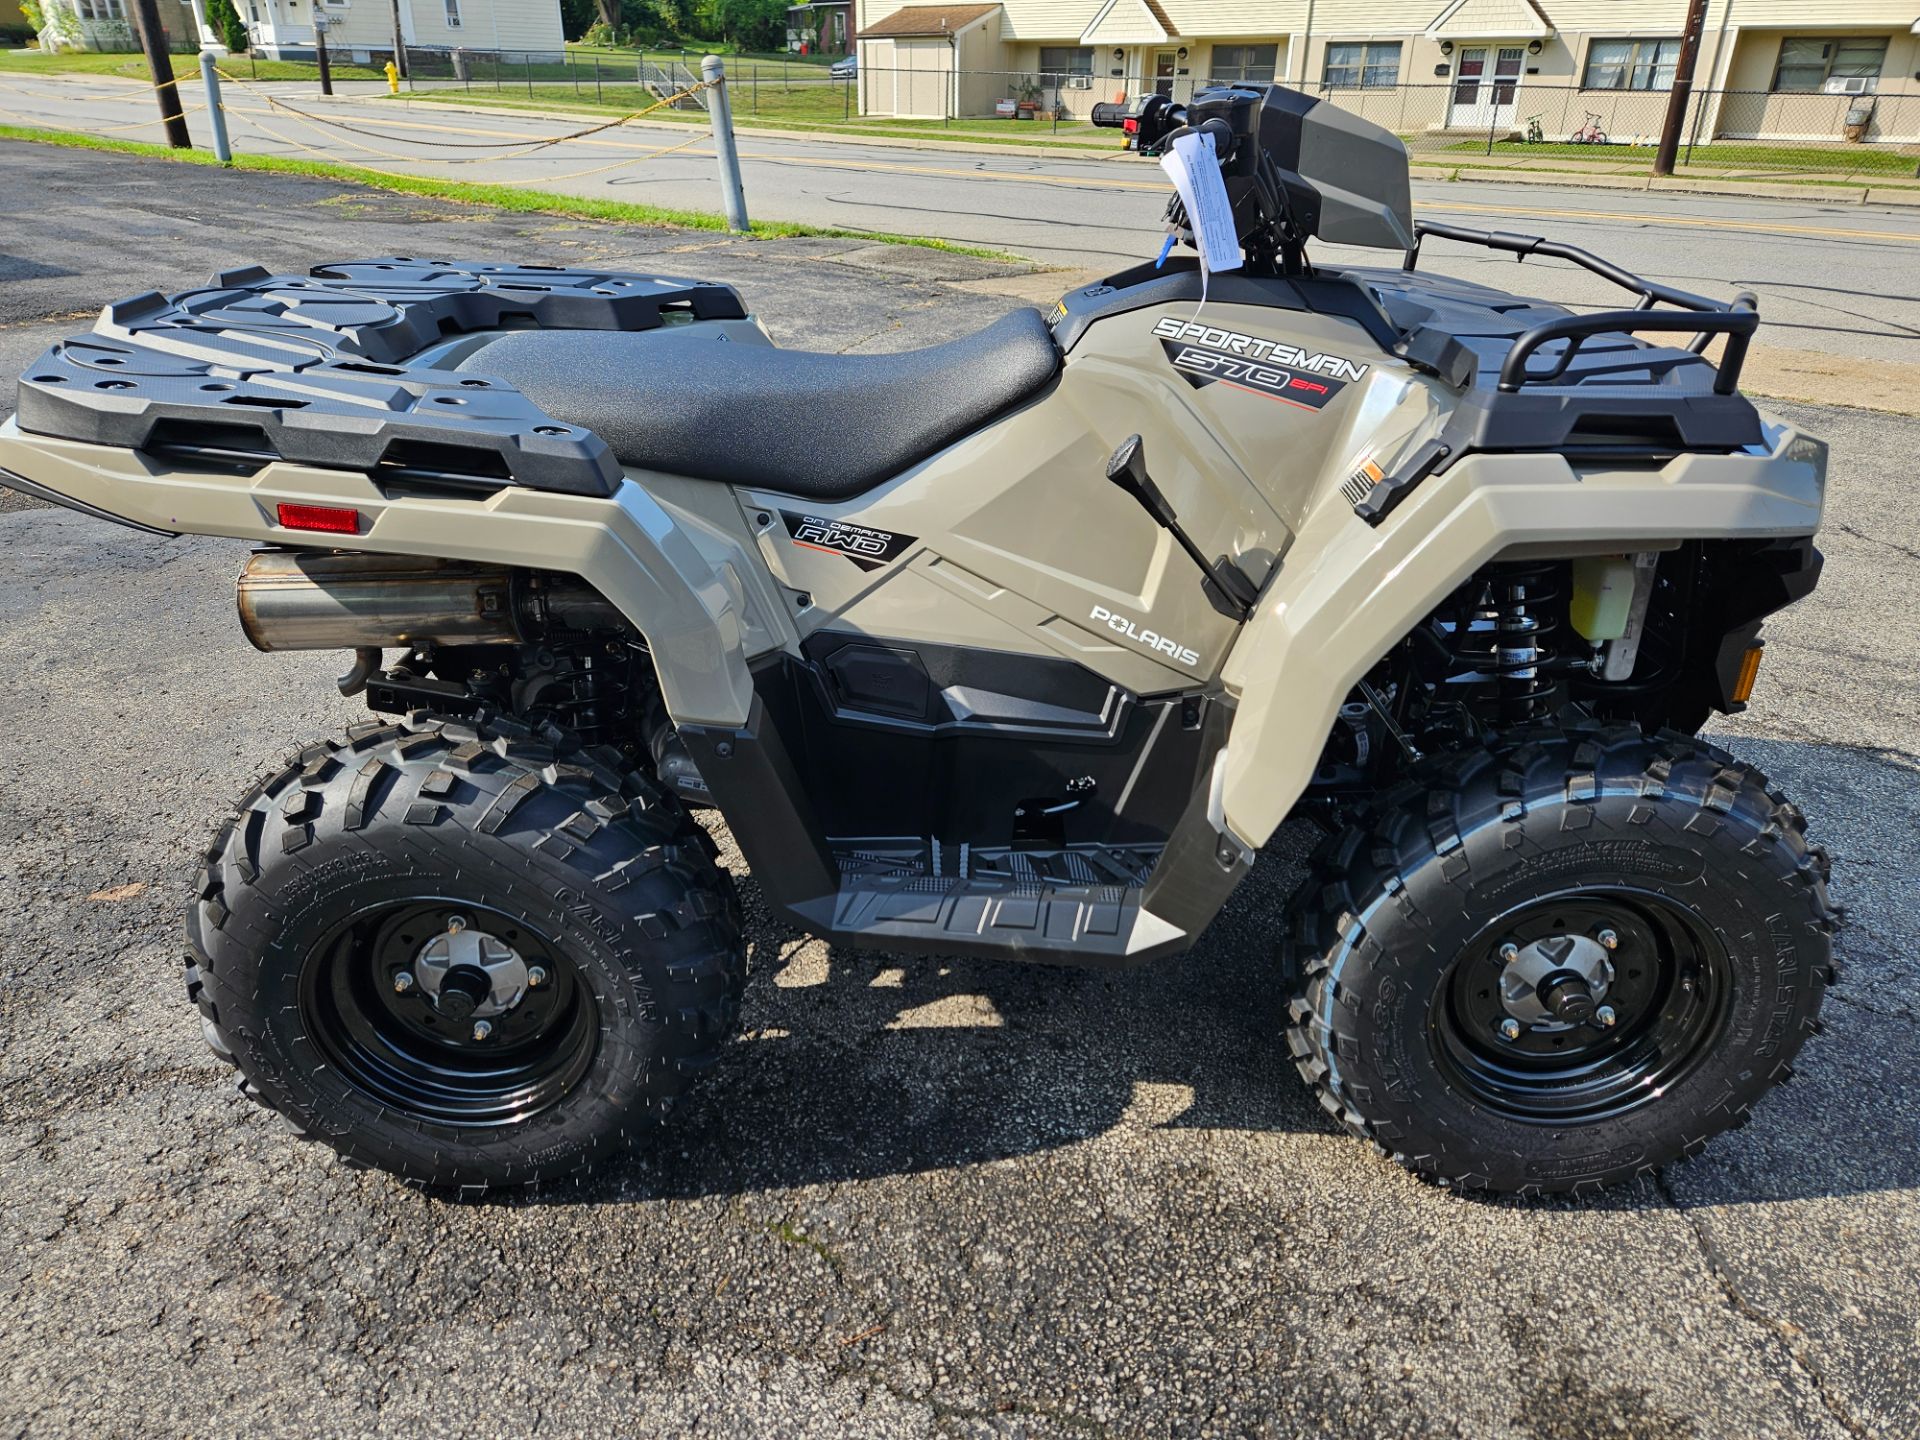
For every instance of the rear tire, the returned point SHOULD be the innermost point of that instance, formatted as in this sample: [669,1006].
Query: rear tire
[1656,879]
[600,901]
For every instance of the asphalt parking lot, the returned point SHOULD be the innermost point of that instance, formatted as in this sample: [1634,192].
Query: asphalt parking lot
[917,1199]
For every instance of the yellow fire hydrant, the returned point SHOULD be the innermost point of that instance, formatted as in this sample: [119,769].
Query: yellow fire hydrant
[393,78]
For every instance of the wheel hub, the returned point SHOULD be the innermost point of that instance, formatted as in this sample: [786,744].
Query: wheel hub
[1556,982]
[469,974]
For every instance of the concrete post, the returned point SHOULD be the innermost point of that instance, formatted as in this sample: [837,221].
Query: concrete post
[210,77]
[720,110]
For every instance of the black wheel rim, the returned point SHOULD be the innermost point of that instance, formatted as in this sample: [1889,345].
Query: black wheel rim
[397,1048]
[1670,995]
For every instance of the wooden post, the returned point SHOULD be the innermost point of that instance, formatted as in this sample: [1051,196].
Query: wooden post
[399,43]
[1682,91]
[320,47]
[153,40]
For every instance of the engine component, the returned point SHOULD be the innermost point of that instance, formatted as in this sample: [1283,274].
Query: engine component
[301,600]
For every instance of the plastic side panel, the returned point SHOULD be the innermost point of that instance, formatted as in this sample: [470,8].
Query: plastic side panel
[1346,593]
[627,546]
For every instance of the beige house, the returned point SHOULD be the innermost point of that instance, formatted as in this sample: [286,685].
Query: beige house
[1777,69]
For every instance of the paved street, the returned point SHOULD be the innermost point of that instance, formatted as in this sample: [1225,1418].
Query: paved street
[1834,278]
[917,1198]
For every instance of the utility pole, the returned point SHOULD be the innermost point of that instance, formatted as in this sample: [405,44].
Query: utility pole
[320,49]
[399,42]
[1682,92]
[153,40]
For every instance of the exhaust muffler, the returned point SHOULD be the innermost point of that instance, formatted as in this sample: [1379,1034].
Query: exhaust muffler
[300,600]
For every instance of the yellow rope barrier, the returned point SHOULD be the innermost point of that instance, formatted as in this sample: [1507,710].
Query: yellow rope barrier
[319,125]
[301,145]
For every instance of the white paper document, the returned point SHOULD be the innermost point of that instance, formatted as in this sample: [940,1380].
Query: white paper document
[1195,171]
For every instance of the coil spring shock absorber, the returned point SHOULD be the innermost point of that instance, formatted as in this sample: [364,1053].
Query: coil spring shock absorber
[1498,632]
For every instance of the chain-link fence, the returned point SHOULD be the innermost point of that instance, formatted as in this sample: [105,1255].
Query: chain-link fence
[1730,131]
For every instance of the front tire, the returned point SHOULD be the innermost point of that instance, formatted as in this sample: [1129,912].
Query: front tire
[471,958]
[1560,964]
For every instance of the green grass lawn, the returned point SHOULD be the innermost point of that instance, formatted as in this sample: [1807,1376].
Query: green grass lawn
[1723,155]
[134,67]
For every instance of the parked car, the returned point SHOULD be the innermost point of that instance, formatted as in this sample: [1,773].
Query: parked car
[845,69]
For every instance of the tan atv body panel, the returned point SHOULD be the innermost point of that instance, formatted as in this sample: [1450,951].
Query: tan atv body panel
[1016,541]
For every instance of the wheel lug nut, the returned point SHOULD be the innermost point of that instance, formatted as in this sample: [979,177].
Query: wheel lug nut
[1509,1029]
[536,977]
[1509,953]
[1608,940]
[482,1029]
[403,982]
[1605,1018]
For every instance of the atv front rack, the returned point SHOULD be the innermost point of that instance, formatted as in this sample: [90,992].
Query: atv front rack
[314,369]
[1706,318]
[1534,378]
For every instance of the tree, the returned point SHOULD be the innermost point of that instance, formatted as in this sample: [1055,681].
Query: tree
[751,24]
[228,25]
[609,13]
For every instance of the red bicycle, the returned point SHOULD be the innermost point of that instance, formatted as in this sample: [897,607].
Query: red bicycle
[1589,133]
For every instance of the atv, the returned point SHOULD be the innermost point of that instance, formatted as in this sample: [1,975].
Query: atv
[1022,646]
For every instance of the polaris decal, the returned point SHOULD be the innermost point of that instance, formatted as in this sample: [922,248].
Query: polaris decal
[1252,347]
[865,547]
[1120,625]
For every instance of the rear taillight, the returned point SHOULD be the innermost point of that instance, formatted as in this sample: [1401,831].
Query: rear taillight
[328,519]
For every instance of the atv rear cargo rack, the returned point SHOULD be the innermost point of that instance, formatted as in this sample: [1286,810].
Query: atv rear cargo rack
[314,369]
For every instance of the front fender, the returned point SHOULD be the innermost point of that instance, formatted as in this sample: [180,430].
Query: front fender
[1346,592]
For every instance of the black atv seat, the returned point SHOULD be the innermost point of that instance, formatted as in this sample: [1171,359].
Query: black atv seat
[825,427]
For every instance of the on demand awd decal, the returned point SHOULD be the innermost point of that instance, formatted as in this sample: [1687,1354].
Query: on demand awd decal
[865,547]
[1205,354]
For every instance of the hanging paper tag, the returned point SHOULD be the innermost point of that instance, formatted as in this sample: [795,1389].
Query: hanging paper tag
[1191,165]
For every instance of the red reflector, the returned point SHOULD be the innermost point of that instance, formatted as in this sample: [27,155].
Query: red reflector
[333,519]
[1132,127]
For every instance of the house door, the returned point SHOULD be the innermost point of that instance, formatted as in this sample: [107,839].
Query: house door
[1163,67]
[1483,100]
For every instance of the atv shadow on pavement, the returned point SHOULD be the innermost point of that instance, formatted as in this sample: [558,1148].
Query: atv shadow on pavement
[856,1065]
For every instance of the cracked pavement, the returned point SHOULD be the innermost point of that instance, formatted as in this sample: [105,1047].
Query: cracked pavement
[917,1198]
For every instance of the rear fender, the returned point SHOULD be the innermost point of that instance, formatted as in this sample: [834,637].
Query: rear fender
[677,575]
[1347,592]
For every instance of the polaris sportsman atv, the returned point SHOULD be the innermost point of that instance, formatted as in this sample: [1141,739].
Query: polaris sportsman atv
[1022,645]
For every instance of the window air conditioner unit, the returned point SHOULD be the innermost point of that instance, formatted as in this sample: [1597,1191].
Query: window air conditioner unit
[1079,82]
[1851,85]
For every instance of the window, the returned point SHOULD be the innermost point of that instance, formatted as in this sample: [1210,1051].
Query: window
[453,14]
[1244,64]
[97,10]
[1367,66]
[1808,62]
[1631,64]
[1058,60]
